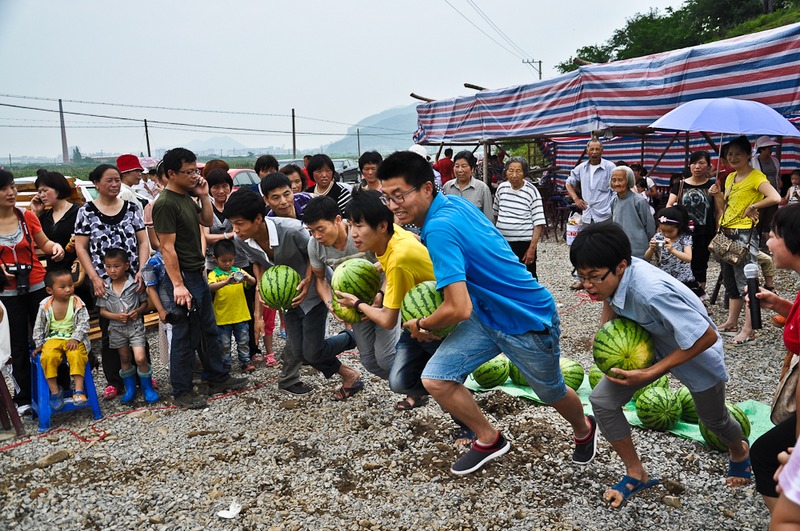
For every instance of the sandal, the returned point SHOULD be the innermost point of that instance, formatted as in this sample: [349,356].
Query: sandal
[739,342]
[405,405]
[741,469]
[729,331]
[343,393]
[79,399]
[630,486]
[464,435]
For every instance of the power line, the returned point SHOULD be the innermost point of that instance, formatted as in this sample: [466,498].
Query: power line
[496,28]
[481,30]
[185,109]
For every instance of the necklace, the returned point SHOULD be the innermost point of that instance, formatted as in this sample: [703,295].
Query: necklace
[328,189]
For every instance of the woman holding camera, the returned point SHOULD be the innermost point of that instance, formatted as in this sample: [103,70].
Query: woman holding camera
[22,280]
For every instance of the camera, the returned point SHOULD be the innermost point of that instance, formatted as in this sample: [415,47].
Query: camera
[238,276]
[659,240]
[22,273]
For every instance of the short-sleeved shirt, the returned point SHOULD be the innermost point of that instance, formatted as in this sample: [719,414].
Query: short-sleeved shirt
[174,213]
[673,265]
[595,189]
[476,192]
[123,302]
[61,232]
[230,304]
[675,318]
[699,204]
[289,242]
[405,263]
[741,196]
[106,232]
[632,212]
[518,211]
[445,167]
[221,225]
[301,199]
[466,247]
[338,192]
[19,247]
[321,256]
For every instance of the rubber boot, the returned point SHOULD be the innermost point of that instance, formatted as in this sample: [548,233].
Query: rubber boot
[150,394]
[129,377]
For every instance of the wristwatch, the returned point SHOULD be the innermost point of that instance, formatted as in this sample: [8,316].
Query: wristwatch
[419,327]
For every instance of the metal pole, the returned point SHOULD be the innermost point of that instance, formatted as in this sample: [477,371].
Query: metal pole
[358,139]
[147,137]
[540,70]
[64,149]
[294,138]
[486,177]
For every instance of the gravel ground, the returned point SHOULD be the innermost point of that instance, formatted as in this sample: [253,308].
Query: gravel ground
[311,463]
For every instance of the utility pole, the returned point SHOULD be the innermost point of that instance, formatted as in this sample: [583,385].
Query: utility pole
[533,64]
[64,149]
[294,138]
[358,139]
[147,137]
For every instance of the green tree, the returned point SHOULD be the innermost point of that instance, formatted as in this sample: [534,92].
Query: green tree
[588,54]
[76,155]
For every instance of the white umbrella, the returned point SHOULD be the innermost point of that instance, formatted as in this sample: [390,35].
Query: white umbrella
[726,115]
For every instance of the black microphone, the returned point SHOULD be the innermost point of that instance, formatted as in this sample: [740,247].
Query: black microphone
[751,273]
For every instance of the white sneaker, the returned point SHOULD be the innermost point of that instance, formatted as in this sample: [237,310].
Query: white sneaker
[25,408]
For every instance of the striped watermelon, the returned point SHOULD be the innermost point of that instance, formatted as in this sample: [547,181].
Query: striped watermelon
[661,382]
[516,376]
[622,343]
[595,375]
[492,373]
[572,371]
[421,301]
[350,315]
[278,287]
[658,408]
[713,441]
[687,403]
[358,277]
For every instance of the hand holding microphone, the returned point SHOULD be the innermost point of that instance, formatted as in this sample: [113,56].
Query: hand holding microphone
[751,273]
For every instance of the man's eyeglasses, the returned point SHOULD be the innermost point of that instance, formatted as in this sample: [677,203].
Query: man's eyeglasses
[397,199]
[190,172]
[594,280]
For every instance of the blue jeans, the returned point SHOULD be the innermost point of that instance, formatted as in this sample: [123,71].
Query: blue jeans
[410,359]
[241,333]
[306,333]
[182,353]
[473,343]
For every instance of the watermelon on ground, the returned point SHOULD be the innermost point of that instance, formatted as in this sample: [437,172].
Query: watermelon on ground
[661,382]
[358,277]
[516,376]
[595,375]
[278,286]
[687,405]
[572,371]
[492,373]
[421,301]
[624,344]
[658,408]
[713,441]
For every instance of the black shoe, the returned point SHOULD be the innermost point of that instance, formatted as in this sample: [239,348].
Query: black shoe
[480,455]
[298,388]
[191,401]
[228,384]
[584,452]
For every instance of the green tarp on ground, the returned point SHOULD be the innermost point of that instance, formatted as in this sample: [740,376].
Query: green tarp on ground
[757,412]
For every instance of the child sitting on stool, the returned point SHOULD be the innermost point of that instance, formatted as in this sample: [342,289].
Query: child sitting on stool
[62,329]
[125,308]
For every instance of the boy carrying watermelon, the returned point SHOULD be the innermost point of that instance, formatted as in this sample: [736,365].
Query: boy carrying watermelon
[496,303]
[686,342]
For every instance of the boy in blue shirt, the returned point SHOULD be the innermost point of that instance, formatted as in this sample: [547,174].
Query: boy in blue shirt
[497,304]
[686,341]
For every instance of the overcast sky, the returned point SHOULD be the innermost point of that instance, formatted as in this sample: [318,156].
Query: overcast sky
[338,61]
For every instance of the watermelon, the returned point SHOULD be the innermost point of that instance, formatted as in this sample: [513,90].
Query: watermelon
[350,315]
[622,343]
[595,375]
[713,441]
[658,408]
[358,277]
[661,382]
[278,287]
[421,301]
[572,371]
[516,376]
[492,373]
[687,403]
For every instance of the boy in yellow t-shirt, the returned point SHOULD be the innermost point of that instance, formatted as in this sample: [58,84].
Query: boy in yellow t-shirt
[230,306]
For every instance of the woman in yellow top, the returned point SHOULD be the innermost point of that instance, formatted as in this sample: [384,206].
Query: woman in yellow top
[746,190]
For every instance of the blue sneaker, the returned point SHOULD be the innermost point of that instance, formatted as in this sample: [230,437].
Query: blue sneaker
[57,400]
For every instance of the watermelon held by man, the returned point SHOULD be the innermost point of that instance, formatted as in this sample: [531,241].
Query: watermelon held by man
[421,301]
[622,344]
[357,277]
[492,373]
[658,408]
[278,287]
[740,417]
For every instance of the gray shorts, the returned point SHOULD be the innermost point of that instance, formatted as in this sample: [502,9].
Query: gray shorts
[130,334]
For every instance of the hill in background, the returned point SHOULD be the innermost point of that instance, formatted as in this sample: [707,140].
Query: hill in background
[386,131]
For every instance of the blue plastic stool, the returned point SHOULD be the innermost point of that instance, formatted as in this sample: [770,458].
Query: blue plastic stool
[40,395]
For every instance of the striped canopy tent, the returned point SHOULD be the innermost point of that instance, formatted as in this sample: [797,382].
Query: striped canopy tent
[622,98]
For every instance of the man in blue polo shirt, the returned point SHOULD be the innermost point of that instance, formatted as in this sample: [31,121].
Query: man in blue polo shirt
[687,346]
[498,305]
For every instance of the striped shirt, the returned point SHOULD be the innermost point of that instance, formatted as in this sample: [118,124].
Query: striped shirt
[518,211]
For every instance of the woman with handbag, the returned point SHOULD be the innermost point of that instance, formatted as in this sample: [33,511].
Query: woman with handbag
[784,243]
[745,191]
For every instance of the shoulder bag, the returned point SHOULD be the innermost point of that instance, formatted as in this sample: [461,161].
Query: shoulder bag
[726,249]
[784,404]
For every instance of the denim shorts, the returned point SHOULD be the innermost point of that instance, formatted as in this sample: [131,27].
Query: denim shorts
[473,343]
